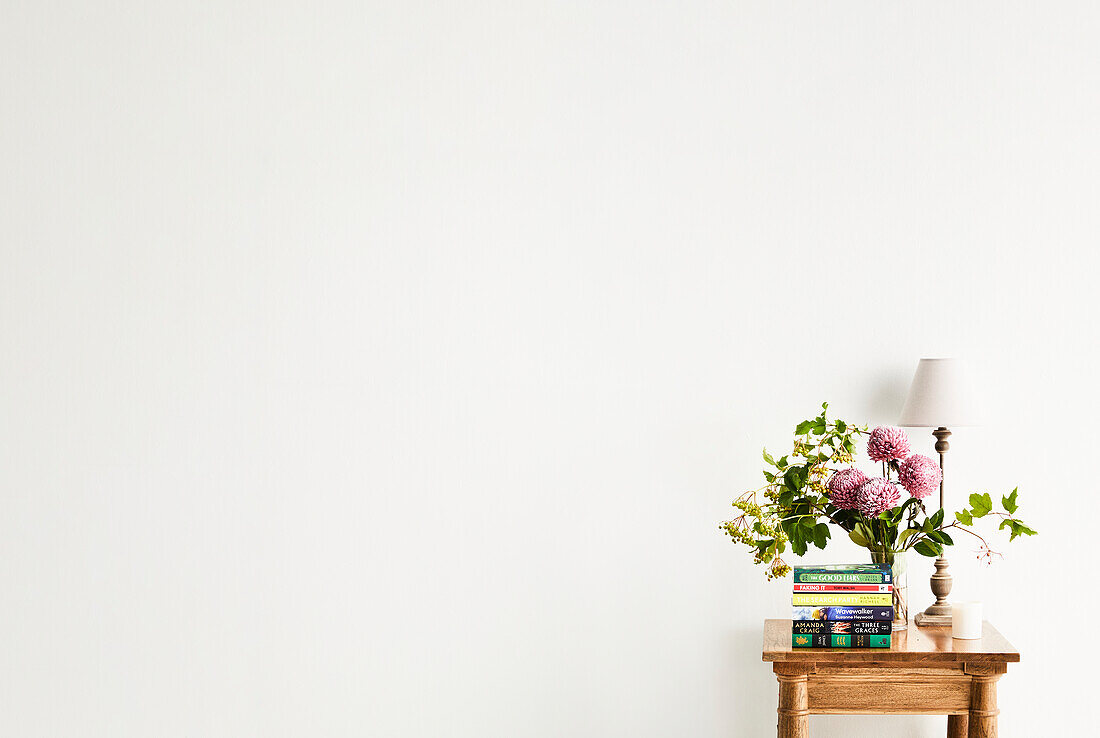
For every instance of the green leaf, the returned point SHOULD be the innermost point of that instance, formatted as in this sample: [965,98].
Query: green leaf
[940,537]
[981,504]
[865,531]
[907,533]
[768,457]
[804,427]
[928,548]
[858,539]
[841,426]
[793,478]
[1009,502]
[937,518]
[819,426]
[1017,528]
[782,463]
[769,476]
[964,517]
[824,406]
[821,535]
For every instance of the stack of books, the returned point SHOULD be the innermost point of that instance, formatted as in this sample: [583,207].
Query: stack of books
[843,606]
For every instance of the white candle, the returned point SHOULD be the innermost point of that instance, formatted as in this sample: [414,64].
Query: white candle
[966,620]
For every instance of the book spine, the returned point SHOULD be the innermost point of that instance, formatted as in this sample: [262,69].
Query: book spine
[835,588]
[842,567]
[860,641]
[817,599]
[842,613]
[872,627]
[811,640]
[829,640]
[853,577]
[853,627]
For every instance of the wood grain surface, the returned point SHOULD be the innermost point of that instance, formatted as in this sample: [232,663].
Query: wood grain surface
[914,645]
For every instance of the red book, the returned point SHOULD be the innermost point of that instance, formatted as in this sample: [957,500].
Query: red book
[837,587]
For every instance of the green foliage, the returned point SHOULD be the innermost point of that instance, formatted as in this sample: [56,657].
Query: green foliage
[927,547]
[792,510]
[1016,528]
[980,504]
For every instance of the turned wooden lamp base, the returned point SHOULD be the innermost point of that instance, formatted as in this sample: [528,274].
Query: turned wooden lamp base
[931,620]
[938,613]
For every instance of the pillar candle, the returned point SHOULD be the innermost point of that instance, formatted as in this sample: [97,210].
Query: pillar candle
[966,620]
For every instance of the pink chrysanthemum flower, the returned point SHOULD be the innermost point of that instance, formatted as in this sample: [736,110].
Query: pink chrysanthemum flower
[919,475]
[888,443]
[876,496]
[842,487]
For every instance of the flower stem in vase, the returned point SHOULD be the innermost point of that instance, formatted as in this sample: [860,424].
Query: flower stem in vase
[897,562]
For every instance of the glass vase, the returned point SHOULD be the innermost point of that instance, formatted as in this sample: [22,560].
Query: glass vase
[896,560]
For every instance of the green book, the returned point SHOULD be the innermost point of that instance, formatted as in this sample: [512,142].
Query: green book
[847,574]
[839,640]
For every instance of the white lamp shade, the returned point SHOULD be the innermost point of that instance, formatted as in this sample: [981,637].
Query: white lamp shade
[943,393]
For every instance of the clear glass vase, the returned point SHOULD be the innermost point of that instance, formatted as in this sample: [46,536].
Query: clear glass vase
[896,560]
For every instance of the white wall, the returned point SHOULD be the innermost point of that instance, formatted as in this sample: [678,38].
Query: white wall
[384,369]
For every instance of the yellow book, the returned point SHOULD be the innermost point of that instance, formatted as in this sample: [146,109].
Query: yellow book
[815,599]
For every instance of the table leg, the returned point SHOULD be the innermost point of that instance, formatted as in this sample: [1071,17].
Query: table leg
[956,726]
[794,703]
[983,707]
[982,721]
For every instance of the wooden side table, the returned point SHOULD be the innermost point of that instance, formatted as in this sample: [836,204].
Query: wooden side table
[924,672]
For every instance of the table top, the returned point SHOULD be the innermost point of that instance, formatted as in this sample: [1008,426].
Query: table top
[913,645]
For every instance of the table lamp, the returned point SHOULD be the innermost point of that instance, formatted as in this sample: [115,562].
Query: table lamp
[941,396]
